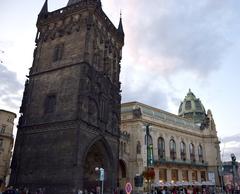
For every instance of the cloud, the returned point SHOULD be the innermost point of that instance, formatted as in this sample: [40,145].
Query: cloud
[230,145]
[10,88]
[180,35]
[170,38]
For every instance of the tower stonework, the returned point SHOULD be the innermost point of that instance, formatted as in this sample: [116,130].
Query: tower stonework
[70,111]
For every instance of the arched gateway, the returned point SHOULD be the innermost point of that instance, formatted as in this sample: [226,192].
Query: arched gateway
[99,155]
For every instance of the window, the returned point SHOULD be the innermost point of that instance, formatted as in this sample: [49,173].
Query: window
[183,150]
[172,149]
[188,105]
[163,174]
[203,176]
[192,152]
[138,147]
[174,175]
[198,105]
[58,52]
[50,103]
[194,175]
[185,175]
[1,142]
[200,153]
[161,148]
[3,128]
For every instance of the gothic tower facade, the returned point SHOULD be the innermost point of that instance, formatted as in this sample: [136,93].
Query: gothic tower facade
[70,111]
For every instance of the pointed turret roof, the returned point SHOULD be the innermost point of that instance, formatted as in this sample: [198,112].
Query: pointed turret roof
[44,9]
[120,26]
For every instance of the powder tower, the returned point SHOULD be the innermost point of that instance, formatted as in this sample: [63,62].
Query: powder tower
[70,111]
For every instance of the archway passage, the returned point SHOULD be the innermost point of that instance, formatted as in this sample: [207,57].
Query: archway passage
[122,174]
[97,156]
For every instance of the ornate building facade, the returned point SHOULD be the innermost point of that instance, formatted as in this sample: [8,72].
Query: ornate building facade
[6,142]
[70,111]
[185,147]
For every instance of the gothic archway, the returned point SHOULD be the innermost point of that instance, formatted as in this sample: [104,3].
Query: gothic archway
[98,155]
[122,174]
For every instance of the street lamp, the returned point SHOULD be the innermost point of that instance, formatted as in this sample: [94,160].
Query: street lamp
[233,157]
[101,175]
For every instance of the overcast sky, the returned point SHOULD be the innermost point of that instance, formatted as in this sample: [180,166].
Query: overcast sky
[170,46]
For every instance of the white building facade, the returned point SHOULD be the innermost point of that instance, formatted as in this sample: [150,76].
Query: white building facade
[185,146]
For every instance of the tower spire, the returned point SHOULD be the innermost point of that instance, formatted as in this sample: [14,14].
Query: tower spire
[120,26]
[44,9]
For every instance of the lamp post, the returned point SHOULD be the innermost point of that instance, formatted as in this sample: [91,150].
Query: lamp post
[233,157]
[101,176]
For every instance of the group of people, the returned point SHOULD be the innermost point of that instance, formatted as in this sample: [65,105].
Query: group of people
[183,190]
[11,190]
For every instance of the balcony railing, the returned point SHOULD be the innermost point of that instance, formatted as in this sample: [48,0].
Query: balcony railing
[180,162]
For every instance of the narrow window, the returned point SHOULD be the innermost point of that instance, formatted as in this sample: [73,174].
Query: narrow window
[192,152]
[200,153]
[50,103]
[161,148]
[58,52]
[172,149]
[183,150]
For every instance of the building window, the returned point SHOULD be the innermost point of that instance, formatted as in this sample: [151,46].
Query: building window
[3,129]
[161,148]
[172,149]
[58,52]
[174,175]
[138,147]
[163,175]
[1,142]
[185,175]
[200,153]
[194,175]
[188,105]
[50,103]
[198,105]
[183,150]
[203,176]
[192,152]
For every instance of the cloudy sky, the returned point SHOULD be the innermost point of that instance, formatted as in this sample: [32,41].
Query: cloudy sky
[170,46]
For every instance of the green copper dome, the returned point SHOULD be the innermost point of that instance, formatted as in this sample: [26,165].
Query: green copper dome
[192,108]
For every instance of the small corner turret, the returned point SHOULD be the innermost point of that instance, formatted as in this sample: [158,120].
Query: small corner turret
[44,10]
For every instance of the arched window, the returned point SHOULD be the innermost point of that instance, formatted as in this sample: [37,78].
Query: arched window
[172,149]
[161,148]
[192,152]
[183,150]
[200,153]
[138,147]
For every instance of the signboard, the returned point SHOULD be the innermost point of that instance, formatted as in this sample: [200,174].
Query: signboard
[128,188]
[101,178]
[150,155]
[211,177]
[144,155]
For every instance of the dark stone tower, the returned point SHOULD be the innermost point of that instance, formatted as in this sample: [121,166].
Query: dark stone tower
[70,110]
